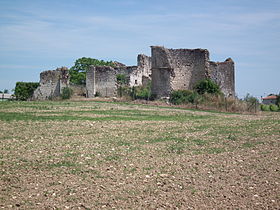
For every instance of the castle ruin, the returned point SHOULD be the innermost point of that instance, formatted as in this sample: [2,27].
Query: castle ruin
[182,69]
[167,69]
[51,84]
[102,80]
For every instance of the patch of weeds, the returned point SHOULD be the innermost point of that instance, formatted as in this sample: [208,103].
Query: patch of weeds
[167,138]
[123,143]
[6,137]
[77,171]
[265,152]
[194,169]
[215,150]
[121,198]
[112,158]
[134,148]
[232,137]
[177,148]
[130,170]
[148,168]
[197,152]
[204,126]
[62,164]
[251,144]
[99,176]
[193,190]
[71,154]
[53,184]
[199,142]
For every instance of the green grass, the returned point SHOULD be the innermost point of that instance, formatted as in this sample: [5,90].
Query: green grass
[215,150]
[177,148]
[250,144]
[167,138]
[109,115]
[114,157]
[68,164]
[199,142]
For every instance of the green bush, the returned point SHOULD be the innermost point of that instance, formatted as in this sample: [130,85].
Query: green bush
[122,79]
[183,97]
[251,99]
[141,92]
[66,93]
[78,71]
[124,91]
[97,94]
[265,107]
[137,92]
[24,90]
[273,108]
[252,103]
[278,100]
[207,86]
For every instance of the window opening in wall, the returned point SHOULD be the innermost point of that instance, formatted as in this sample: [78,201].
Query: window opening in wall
[136,82]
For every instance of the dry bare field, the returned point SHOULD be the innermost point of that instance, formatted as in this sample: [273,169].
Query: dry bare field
[94,155]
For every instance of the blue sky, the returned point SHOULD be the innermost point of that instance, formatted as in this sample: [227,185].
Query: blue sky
[42,35]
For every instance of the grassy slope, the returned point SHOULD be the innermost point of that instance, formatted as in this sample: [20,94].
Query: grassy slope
[97,154]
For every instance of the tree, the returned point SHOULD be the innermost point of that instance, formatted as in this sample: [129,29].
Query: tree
[78,71]
[252,102]
[251,99]
[5,91]
[278,100]
[24,90]
[122,79]
[207,86]
[66,93]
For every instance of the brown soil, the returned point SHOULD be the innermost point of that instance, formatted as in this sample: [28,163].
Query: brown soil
[200,161]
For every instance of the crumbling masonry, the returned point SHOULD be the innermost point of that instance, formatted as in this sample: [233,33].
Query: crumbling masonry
[51,84]
[175,69]
[168,69]
[102,80]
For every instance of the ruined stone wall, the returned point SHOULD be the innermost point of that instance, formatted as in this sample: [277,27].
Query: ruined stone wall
[174,69]
[135,76]
[78,90]
[51,83]
[144,64]
[189,67]
[223,74]
[161,72]
[90,82]
[101,80]
[106,81]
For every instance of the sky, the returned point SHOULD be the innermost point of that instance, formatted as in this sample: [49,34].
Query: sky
[39,35]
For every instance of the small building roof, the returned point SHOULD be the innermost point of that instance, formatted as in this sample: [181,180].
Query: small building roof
[270,97]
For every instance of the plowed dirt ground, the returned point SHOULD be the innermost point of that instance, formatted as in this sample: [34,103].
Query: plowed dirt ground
[94,155]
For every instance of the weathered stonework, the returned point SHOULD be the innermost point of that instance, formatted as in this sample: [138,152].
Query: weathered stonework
[223,74]
[176,69]
[78,90]
[144,63]
[169,70]
[51,84]
[102,80]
